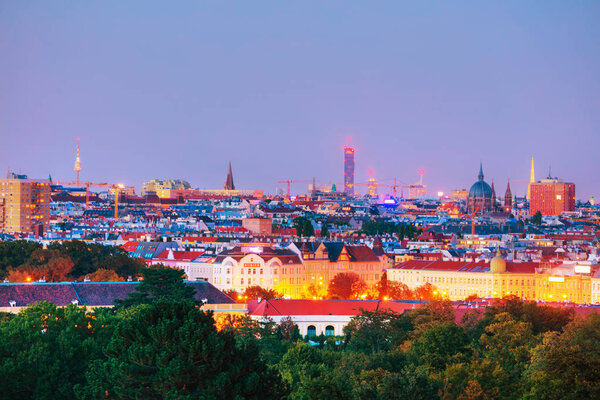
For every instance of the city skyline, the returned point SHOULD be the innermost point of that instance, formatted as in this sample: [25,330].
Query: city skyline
[177,94]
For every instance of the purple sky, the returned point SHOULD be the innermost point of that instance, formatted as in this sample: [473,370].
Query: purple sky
[176,90]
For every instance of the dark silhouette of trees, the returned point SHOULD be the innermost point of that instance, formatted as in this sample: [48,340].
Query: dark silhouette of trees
[159,282]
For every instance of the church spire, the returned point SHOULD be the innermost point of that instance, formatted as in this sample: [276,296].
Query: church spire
[480,176]
[229,185]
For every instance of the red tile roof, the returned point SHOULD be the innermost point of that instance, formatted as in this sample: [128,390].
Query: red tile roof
[204,239]
[130,246]
[324,307]
[466,266]
[179,255]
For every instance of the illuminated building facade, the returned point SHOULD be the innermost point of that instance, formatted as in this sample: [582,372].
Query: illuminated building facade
[163,188]
[372,186]
[269,268]
[349,170]
[457,280]
[330,259]
[551,196]
[25,204]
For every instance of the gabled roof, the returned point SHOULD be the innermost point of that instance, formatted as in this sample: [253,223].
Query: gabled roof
[361,253]
[179,255]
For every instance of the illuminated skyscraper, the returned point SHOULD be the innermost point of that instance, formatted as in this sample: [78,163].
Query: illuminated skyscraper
[349,170]
[551,196]
[372,185]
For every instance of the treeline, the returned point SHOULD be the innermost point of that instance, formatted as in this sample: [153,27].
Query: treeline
[348,286]
[159,344]
[404,231]
[25,261]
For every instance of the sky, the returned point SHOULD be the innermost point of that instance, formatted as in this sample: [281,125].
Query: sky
[160,90]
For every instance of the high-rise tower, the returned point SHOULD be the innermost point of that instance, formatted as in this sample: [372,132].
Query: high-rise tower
[229,181]
[349,170]
[77,168]
[372,185]
[531,180]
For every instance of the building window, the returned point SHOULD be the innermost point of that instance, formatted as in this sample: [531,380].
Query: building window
[329,331]
[311,331]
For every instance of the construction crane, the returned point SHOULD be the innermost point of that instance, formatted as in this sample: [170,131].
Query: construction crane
[87,188]
[117,187]
[393,186]
[290,181]
[473,222]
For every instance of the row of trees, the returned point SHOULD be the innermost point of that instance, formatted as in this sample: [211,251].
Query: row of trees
[22,261]
[347,286]
[159,344]
[403,231]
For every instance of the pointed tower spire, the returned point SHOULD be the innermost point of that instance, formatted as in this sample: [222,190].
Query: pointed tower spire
[229,185]
[531,180]
[77,168]
[508,198]
[480,176]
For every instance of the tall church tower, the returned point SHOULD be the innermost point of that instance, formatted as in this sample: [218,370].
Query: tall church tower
[229,185]
[508,198]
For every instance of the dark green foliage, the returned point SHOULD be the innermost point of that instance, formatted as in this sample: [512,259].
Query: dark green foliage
[542,318]
[15,253]
[537,218]
[171,349]
[46,350]
[440,346]
[85,257]
[380,227]
[308,229]
[88,257]
[163,346]
[159,282]
[375,331]
[324,230]
[303,226]
[567,365]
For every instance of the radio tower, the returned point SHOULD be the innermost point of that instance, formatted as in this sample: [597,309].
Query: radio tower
[77,168]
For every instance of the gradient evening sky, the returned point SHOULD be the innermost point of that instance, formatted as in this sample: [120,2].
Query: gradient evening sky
[177,89]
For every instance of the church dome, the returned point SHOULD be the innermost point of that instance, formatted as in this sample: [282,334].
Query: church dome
[481,189]
[498,264]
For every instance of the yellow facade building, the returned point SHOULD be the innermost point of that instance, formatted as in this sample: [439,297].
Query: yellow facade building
[457,280]
[330,259]
[24,203]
